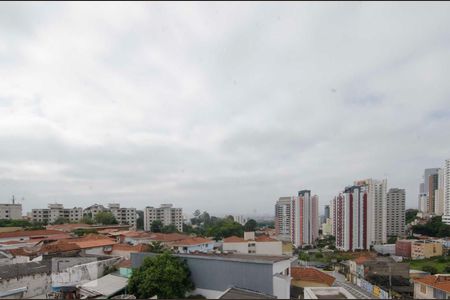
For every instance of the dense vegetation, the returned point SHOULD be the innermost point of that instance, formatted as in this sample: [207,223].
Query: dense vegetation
[105,218]
[27,225]
[434,265]
[202,224]
[157,226]
[164,275]
[410,215]
[434,228]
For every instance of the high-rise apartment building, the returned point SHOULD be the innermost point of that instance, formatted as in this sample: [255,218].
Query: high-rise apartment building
[439,194]
[124,215]
[427,190]
[446,216]
[377,209]
[327,212]
[166,214]
[55,211]
[297,218]
[351,218]
[395,212]
[283,218]
[10,211]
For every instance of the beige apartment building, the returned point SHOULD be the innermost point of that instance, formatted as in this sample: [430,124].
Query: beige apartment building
[425,249]
[10,211]
[55,211]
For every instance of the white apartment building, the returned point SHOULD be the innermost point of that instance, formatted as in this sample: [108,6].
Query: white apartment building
[55,211]
[377,209]
[395,212]
[446,216]
[166,213]
[240,219]
[94,209]
[10,211]
[260,245]
[283,218]
[124,215]
[297,218]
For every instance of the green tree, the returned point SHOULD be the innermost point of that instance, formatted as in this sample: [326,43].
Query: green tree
[447,269]
[82,232]
[250,225]
[156,247]
[392,240]
[87,219]
[61,220]
[410,215]
[430,269]
[156,226]
[164,276]
[302,255]
[105,218]
[140,220]
[169,229]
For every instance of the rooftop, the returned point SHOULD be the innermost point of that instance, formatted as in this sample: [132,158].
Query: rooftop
[192,241]
[238,257]
[28,233]
[238,293]
[24,269]
[311,274]
[438,281]
[93,240]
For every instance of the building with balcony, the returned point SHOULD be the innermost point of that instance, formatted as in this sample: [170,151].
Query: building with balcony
[166,213]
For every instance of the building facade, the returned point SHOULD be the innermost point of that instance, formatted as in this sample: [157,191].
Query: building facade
[124,215]
[55,211]
[425,249]
[93,210]
[395,199]
[283,218]
[446,175]
[432,287]
[11,211]
[166,213]
[376,209]
[350,219]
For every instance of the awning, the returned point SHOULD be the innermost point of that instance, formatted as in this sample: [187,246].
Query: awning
[105,286]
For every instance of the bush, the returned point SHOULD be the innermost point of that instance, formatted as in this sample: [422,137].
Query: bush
[430,269]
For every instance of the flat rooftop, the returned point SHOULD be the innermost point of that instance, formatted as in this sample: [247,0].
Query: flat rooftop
[238,257]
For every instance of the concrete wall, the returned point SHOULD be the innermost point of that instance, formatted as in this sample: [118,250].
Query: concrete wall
[94,251]
[269,248]
[419,295]
[219,275]
[238,247]
[37,284]
[282,286]
[194,248]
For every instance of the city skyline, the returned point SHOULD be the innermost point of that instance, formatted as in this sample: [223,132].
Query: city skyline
[152,104]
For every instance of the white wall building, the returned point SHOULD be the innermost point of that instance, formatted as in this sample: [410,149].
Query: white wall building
[9,211]
[55,211]
[124,215]
[250,244]
[446,175]
[395,199]
[283,218]
[376,210]
[166,213]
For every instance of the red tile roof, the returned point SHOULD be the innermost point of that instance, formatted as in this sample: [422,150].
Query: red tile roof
[438,281]
[46,248]
[192,241]
[265,238]
[92,241]
[130,248]
[169,237]
[311,274]
[29,233]
[234,239]
[361,260]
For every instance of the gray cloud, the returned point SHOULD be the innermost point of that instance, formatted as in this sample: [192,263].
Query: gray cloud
[223,107]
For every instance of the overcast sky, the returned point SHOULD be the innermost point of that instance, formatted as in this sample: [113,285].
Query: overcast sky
[221,107]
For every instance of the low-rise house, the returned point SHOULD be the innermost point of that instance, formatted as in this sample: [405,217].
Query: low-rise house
[403,248]
[125,250]
[192,245]
[310,277]
[37,279]
[29,235]
[357,268]
[260,245]
[260,273]
[432,287]
[385,249]
[327,293]
[425,249]
[72,227]
[94,244]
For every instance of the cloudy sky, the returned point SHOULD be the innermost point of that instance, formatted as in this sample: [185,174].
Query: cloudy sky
[221,107]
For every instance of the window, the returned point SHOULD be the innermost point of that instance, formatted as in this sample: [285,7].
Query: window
[423,288]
